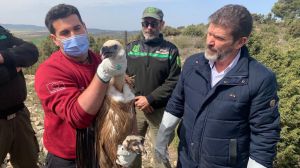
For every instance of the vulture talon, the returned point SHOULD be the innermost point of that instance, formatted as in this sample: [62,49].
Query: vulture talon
[134,143]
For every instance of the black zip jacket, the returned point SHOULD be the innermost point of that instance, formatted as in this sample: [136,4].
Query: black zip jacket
[16,53]
[156,67]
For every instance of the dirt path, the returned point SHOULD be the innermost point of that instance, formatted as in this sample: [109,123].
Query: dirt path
[148,160]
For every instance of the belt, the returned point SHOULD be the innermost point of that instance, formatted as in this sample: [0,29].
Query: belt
[11,112]
[9,117]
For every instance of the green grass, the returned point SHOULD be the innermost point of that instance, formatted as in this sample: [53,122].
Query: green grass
[37,40]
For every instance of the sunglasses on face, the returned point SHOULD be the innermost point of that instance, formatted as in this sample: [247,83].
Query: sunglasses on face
[152,24]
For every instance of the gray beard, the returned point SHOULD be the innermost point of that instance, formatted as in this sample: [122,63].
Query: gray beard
[216,57]
[147,37]
[150,37]
[211,57]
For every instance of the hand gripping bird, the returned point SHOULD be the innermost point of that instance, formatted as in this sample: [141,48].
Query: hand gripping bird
[116,144]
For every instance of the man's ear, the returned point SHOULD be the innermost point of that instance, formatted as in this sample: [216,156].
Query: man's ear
[85,27]
[241,42]
[162,24]
[54,39]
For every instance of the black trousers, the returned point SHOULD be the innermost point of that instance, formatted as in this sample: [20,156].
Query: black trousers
[53,161]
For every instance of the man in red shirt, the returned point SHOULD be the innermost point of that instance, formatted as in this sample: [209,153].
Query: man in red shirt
[70,84]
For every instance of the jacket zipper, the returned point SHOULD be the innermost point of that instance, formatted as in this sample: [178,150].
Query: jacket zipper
[222,82]
[197,152]
[200,144]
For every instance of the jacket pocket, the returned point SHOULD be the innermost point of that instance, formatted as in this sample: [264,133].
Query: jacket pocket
[232,152]
[185,161]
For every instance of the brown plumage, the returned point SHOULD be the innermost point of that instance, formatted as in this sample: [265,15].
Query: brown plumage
[114,123]
[116,118]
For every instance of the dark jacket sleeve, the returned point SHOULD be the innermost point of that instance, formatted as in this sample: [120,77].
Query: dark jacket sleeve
[175,104]
[163,92]
[265,122]
[19,54]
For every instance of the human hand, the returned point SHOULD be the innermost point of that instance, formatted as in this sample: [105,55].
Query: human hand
[142,103]
[18,69]
[134,143]
[130,80]
[131,146]
[110,67]
[161,155]
[125,157]
[148,109]
[1,59]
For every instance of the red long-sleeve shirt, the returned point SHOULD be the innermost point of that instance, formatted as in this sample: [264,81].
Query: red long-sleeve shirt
[58,82]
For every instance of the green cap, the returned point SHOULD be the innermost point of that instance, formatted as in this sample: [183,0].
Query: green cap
[153,12]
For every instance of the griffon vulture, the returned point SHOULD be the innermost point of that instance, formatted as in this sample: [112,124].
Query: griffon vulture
[116,119]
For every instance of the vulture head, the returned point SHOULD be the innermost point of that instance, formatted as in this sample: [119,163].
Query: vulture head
[113,50]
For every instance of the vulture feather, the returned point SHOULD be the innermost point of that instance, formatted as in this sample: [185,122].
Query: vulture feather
[116,118]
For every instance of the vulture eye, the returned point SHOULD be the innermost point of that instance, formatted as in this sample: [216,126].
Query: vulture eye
[115,47]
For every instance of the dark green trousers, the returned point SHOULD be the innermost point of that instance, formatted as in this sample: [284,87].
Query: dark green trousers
[17,138]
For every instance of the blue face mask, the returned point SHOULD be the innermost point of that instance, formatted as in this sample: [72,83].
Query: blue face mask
[76,46]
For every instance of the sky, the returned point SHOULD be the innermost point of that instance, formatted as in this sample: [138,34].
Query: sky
[124,14]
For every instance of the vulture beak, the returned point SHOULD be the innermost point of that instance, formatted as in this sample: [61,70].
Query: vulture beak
[108,51]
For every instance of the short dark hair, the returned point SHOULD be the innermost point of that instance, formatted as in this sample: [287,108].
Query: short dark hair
[58,12]
[235,17]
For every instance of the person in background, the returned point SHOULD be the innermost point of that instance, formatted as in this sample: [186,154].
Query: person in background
[17,136]
[226,100]
[71,85]
[154,63]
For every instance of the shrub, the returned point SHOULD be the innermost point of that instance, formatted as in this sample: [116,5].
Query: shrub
[294,28]
[193,30]
[170,31]
[284,59]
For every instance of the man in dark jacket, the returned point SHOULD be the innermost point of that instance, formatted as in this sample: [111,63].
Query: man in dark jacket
[155,65]
[17,136]
[226,99]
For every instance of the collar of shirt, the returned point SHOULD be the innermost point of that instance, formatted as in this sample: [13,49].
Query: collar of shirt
[217,76]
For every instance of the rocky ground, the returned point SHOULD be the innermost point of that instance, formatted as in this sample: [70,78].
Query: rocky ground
[34,107]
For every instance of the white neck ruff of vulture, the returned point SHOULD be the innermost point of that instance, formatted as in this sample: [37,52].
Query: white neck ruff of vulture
[117,96]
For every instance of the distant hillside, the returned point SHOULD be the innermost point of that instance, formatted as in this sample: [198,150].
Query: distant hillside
[22,27]
[28,31]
